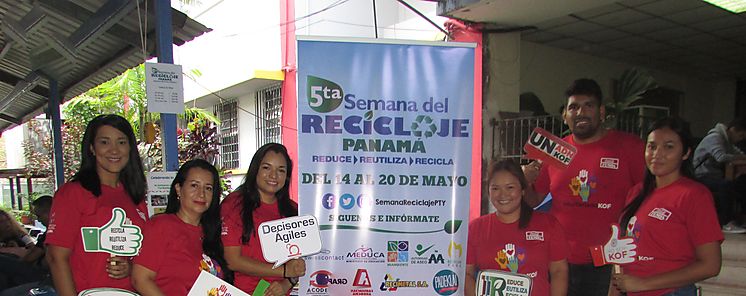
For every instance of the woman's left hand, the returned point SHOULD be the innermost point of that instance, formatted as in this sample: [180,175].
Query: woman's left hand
[118,267]
[627,283]
[278,288]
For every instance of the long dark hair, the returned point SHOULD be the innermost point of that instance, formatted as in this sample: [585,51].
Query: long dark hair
[210,221]
[250,199]
[514,169]
[132,175]
[681,128]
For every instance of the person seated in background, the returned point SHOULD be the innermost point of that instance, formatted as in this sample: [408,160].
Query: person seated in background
[30,270]
[712,155]
[13,238]
[40,207]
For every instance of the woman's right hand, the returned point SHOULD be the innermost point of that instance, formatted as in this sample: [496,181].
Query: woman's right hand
[295,268]
[118,267]
[531,171]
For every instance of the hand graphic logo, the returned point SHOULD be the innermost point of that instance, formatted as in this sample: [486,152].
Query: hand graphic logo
[116,237]
[616,250]
[502,259]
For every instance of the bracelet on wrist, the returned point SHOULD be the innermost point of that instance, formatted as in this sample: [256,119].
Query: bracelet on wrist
[292,281]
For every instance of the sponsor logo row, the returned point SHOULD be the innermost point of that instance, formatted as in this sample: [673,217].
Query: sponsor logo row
[400,253]
[444,282]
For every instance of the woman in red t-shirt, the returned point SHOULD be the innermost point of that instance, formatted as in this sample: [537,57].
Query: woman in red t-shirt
[263,196]
[184,240]
[515,238]
[110,179]
[672,220]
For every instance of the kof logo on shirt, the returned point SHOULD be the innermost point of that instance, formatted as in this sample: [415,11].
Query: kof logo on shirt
[609,163]
[660,214]
[535,235]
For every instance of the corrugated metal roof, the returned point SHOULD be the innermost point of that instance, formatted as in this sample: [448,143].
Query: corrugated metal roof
[67,41]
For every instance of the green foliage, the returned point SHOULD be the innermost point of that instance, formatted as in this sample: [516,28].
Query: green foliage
[199,140]
[125,96]
[630,87]
[38,150]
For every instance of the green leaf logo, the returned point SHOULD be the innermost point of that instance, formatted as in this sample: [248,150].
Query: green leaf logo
[323,95]
[452,226]
[369,115]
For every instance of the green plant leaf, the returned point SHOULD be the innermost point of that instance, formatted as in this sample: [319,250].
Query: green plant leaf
[633,83]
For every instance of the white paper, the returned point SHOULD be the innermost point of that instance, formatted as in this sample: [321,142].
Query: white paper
[207,282]
[164,87]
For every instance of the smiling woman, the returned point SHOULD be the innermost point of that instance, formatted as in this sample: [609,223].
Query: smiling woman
[185,240]
[516,239]
[671,218]
[110,179]
[263,196]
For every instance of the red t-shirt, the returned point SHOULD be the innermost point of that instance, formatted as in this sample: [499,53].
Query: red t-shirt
[669,225]
[74,207]
[533,248]
[233,229]
[588,196]
[173,250]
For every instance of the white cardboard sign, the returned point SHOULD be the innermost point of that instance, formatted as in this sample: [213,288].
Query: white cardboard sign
[289,238]
[117,237]
[495,282]
[208,284]
[164,87]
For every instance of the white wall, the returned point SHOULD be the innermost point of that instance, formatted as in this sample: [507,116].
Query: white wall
[245,37]
[247,128]
[548,71]
[14,147]
[354,18]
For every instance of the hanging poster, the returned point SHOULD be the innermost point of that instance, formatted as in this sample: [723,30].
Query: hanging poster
[164,87]
[384,163]
[159,184]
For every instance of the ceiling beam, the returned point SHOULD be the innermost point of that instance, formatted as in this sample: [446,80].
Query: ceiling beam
[10,119]
[6,48]
[68,9]
[104,18]
[21,87]
[18,30]
[11,79]
[95,70]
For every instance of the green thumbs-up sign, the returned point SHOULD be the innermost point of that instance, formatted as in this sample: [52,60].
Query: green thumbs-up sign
[116,237]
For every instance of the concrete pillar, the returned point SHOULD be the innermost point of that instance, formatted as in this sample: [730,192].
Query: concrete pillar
[502,58]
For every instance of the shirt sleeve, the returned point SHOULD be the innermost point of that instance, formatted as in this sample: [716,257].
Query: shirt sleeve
[541,185]
[143,207]
[559,249]
[64,218]
[232,226]
[702,222]
[154,246]
[637,161]
[716,146]
[471,243]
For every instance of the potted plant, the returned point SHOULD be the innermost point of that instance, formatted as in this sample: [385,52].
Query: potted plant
[630,87]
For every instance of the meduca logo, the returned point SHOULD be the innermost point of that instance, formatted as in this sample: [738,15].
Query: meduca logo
[325,96]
